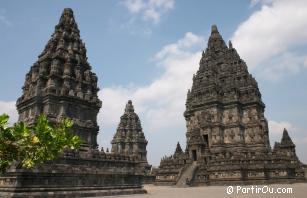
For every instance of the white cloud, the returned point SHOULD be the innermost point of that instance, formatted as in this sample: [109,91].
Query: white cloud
[255,2]
[151,10]
[161,103]
[272,34]
[301,147]
[179,48]
[114,100]
[3,18]
[136,29]
[281,65]
[9,108]
[276,128]
[134,6]
[155,100]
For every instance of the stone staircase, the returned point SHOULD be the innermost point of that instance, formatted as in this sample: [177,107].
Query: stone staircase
[187,175]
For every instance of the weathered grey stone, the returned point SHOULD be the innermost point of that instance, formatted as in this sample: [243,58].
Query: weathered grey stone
[61,84]
[227,133]
[59,81]
[129,139]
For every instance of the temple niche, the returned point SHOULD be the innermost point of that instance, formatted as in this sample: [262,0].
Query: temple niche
[227,132]
[62,84]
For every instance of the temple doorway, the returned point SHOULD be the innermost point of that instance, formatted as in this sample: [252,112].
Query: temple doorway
[194,155]
[206,140]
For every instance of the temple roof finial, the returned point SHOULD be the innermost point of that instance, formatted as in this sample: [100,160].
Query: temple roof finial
[178,149]
[214,29]
[286,138]
[215,39]
[129,107]
[68,10]
[230,44]
[67,20]
[67,13]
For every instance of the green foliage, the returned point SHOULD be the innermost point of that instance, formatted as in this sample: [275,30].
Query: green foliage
[34,145]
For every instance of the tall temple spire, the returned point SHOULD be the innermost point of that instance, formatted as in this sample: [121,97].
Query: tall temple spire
[221,73]
[60,79]
[216,48]
[227,131]
[224,93]
[65,42]
[61,85]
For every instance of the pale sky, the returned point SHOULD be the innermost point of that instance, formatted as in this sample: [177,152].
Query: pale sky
[148,51]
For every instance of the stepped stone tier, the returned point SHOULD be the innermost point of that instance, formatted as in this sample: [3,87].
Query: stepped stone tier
[61,84]
[227,132]
[129,138]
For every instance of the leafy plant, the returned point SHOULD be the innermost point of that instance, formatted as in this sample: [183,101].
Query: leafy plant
[36,144]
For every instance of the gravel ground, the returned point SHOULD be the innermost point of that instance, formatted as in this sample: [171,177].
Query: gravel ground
[298,191]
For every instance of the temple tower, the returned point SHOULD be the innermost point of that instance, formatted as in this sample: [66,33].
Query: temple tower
[285,146]
[61,83]
[224,110]
[129,138]
[227,132]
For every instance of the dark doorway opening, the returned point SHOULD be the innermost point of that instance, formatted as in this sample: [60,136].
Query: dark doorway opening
[194,155]
[206,140]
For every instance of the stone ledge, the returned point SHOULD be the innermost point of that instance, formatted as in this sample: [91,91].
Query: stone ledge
[74,192]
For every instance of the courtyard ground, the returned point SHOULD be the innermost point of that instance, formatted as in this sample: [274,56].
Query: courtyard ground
[299,190]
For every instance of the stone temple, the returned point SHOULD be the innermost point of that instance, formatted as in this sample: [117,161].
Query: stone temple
[62,84]
[227,132]
[129,138]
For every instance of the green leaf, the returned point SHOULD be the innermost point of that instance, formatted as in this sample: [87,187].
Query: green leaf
[34,145]
[4,118]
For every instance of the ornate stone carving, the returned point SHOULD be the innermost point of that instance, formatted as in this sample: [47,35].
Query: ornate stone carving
[129,137]
[226,128]
[55,86]
[58,73]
